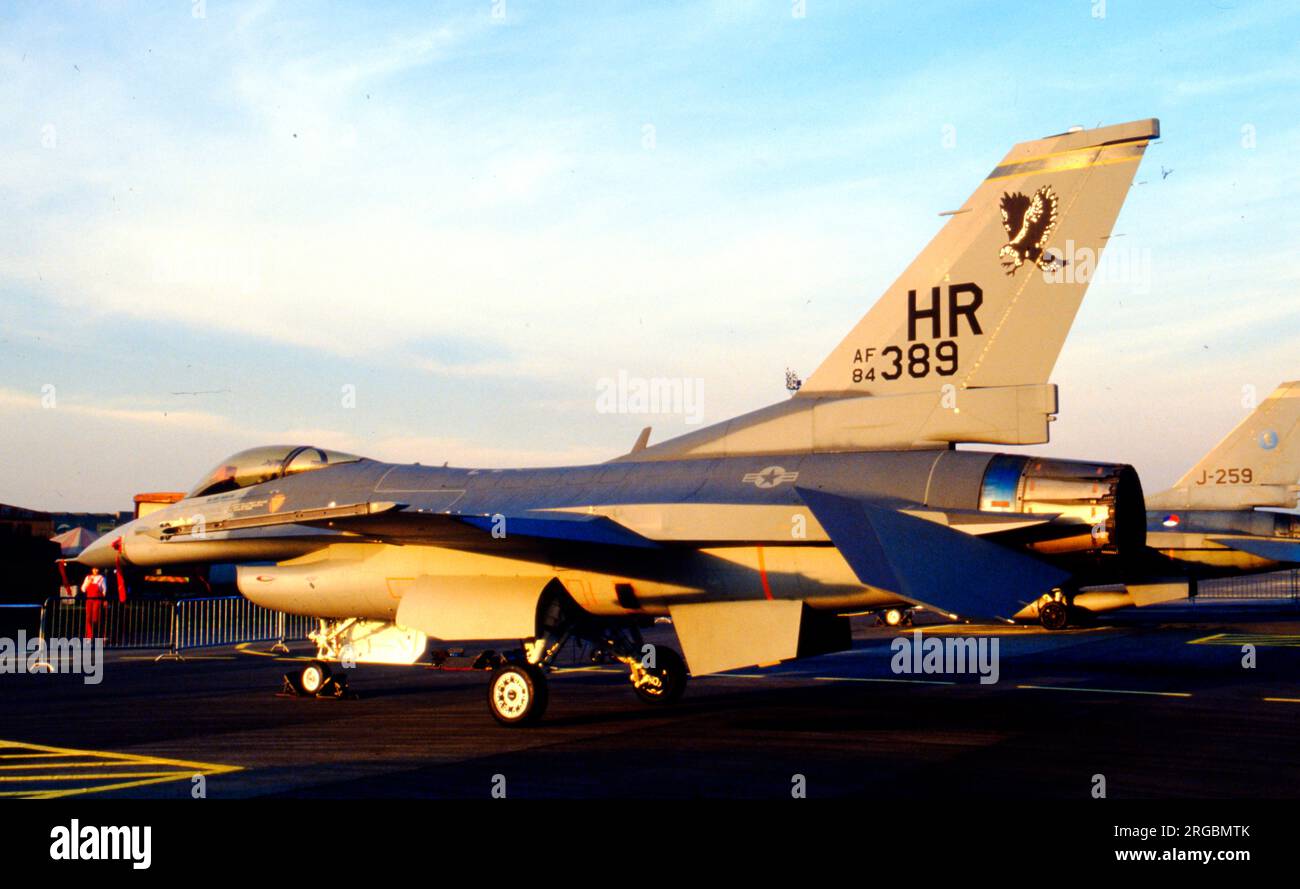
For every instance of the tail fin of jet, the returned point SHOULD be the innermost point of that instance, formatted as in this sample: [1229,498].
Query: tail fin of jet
[1256,464]
[989,302]
[985,308]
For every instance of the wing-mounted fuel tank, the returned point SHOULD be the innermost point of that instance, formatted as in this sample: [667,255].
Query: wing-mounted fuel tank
[396,587]
[1104,499]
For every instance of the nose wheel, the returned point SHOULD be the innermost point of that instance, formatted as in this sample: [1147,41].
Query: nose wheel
[316,680]
[313,677]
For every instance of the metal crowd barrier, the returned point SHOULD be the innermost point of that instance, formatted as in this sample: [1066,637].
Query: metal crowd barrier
[176,626]
[1274,586]
[138,623]
[183,624]
[223,620]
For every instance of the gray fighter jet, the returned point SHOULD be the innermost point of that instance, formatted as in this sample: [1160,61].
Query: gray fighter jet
[1220,518]
[757,536]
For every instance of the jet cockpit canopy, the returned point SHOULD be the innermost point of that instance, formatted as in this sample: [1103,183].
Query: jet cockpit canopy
[257,465]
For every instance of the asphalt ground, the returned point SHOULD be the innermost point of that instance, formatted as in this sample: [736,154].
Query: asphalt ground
[1160,705]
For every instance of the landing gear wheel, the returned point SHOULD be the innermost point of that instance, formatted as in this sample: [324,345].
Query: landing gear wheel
[1054,615]
[313,677]
[670,670]
[517,694]
[894,617]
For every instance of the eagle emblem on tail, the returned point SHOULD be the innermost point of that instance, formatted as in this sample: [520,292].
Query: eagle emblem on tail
[1029,222]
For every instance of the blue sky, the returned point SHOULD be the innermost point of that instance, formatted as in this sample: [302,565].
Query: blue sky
[472,212]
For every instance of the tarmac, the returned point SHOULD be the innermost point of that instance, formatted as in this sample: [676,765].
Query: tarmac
[1160,704]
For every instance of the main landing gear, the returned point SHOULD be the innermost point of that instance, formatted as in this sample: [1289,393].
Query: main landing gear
[517,695]
[894,617]
[517,692]
[1055,611]
[1054,615]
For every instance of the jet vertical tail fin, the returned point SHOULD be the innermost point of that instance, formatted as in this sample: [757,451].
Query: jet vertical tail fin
[990,300]
[1256,464]
[960,347]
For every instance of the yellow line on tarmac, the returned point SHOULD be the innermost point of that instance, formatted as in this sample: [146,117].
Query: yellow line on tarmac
[1109,691]
[592,669]
[870,679]
[102,788]
[63,764]
[1284,700]
[75,776]
[1274,640]
[188,657]
[176,770]
[242,648]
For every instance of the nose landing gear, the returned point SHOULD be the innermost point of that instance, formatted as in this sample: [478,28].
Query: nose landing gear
[315,679]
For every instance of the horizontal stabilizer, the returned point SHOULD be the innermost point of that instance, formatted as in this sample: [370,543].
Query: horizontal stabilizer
[1264,547]
[930,564]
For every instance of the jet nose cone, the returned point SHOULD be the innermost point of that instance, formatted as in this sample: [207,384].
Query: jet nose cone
[101,553]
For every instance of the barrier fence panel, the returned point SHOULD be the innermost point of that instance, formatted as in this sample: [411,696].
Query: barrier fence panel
[173,625]
[140,623]
[229,620]
[1273,586]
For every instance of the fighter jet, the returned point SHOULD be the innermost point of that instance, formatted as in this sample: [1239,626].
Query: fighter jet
[1214,522]
[757,536]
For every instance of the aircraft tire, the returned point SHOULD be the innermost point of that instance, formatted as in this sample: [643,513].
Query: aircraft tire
[517,694]
[1054,615]
[313,677]
[671,670]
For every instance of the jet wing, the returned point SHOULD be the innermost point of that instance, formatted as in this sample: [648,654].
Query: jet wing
[1272,548]
[928,563]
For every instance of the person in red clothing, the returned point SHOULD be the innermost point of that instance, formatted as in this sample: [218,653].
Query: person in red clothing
[95,590]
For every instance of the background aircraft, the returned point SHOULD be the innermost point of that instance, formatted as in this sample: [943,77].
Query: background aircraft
[1212,522]
[757,535]
[1211,519]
